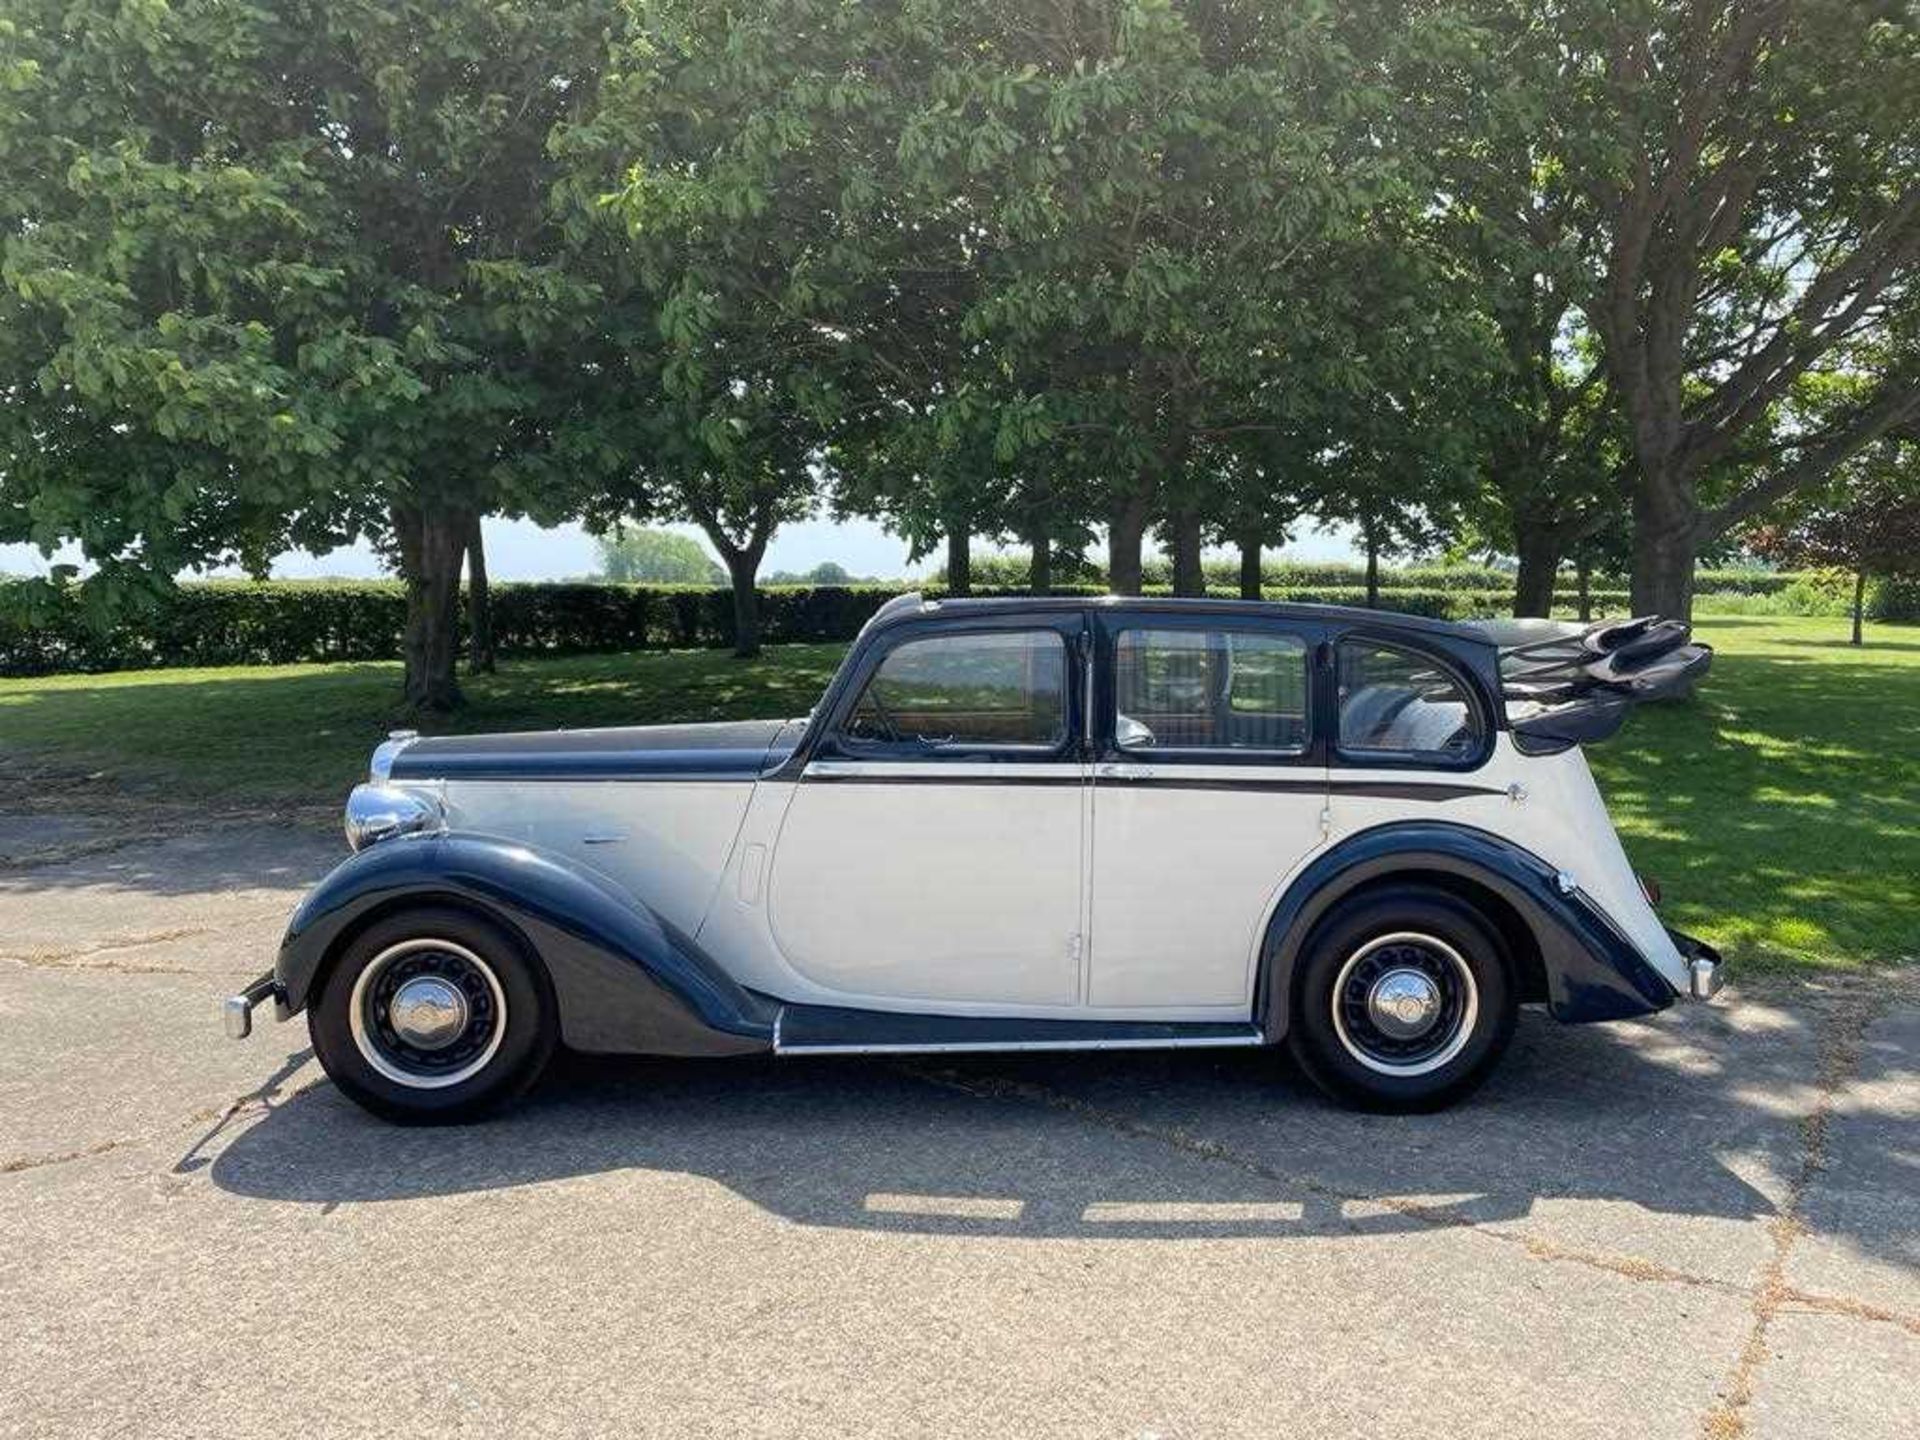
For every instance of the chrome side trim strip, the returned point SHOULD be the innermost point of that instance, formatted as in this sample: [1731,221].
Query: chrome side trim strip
[1065,770]
[990,1047]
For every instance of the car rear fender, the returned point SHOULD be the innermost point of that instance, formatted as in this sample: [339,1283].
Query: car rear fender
[1591,970]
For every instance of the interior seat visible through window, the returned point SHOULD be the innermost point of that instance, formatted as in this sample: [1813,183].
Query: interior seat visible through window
[1395,702]
[1181,689]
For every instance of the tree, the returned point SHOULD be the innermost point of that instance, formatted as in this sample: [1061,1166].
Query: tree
[756,144]
[630,553]
[929,474]
[301,280]
[1867,521]
[1167,206]
[480,651]
[1751,199]
[738,466]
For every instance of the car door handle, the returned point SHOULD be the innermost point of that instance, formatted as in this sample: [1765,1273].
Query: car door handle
[1113,770]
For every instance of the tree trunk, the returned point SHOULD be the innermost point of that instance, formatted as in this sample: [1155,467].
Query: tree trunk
[1373,567]
[479,603]
[432,544]
[1126,530]
[1539,557]
[959,561]
[1252,582]
[1040,565]
[1664,539]
[1583,568]
[1859,601]
[1183,534]
[743,570]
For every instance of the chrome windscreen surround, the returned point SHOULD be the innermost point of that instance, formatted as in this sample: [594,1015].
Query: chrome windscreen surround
[380,812]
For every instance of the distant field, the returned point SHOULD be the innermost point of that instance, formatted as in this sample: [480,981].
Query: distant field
[1781,810]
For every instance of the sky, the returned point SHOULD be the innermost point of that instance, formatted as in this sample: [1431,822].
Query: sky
[521,550]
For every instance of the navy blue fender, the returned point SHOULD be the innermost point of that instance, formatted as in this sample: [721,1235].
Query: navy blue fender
[1592,971]
[624,980]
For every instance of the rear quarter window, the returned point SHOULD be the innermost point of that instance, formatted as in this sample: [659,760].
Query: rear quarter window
[1400,703]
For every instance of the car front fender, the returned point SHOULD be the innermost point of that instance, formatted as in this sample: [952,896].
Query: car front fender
[624,980]
[1592,970]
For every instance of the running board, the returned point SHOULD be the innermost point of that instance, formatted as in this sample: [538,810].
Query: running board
[830,1030]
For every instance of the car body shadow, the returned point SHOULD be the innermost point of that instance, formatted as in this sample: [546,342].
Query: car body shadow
[1180,1145]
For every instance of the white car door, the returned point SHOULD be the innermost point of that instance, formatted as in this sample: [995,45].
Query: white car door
[1209,792]
[930,857]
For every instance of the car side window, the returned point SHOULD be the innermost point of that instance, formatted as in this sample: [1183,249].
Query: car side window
[971,690]
[1206,689]
[1395,702]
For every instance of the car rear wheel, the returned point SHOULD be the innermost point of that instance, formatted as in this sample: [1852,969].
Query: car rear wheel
[1402,1000]
[433,1016]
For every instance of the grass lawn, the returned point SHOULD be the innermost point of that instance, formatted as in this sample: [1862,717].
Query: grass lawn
[1781,810]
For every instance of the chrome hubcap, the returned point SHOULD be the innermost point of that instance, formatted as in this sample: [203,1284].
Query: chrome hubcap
[1404,1003]
[428,1013]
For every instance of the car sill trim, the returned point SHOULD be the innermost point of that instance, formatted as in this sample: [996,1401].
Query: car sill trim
[992,1047]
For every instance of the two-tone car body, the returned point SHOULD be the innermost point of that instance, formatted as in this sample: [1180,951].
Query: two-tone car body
[1009,825]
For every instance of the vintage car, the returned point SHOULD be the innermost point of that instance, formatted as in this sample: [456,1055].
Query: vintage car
[1016,824]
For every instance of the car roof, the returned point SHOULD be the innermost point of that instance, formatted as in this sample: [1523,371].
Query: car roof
[914,605]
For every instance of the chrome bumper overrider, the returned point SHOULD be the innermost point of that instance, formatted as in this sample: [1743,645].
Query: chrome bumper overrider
[1706,972]
[237,1010]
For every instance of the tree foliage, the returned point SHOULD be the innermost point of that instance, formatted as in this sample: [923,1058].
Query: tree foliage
[1867,520]
[634,554]
[1751,195]
[287,275]
[1577,279]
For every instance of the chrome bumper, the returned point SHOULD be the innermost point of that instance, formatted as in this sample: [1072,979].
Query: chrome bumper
[236,1011]
[1705,977]
[1706,972]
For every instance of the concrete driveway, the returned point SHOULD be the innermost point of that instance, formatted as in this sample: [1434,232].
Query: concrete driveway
[1706,1224]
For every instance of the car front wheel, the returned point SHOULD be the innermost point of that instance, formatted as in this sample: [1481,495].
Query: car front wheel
[433,1016]
[1402,1001]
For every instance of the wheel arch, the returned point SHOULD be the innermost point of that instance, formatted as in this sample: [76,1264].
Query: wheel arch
[1520,946]
[621,978]
[1564,950]
[423,899]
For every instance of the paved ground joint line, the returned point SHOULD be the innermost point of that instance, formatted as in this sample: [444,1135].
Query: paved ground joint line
[261,1097]
[1847,1019]
[75,957]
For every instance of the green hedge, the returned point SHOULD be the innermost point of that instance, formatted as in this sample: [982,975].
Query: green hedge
[1894,598]
[285,622]
[225,622]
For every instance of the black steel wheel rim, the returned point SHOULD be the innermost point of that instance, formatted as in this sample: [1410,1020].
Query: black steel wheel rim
[1399,955]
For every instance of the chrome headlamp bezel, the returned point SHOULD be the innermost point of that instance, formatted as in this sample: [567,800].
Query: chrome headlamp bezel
[381,812]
